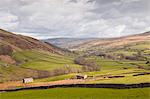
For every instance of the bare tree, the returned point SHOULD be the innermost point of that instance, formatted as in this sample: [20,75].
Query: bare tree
[87,65]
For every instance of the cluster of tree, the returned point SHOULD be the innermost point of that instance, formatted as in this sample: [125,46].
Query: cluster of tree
[131,57]
[87,65]
[6,50]
[65,70]
[138,56]
[105,55]
[119,56]
[56,72]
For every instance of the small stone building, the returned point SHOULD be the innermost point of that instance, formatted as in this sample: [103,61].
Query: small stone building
[81,76]
[27,80]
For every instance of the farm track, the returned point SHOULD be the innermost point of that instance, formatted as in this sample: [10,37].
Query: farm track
[17,84]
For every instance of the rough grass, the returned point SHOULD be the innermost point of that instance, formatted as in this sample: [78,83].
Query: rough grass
[79,93]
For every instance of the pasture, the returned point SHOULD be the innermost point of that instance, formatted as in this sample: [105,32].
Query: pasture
[79,93]
[43,61]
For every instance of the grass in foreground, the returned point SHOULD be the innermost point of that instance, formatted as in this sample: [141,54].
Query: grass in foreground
[79,93]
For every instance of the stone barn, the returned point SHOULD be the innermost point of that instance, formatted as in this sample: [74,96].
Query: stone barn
[81,76]
[27,80]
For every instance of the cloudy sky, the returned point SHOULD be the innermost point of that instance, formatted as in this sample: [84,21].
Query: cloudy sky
[75,18]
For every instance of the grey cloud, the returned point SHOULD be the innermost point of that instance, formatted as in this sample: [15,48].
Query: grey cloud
[75,18]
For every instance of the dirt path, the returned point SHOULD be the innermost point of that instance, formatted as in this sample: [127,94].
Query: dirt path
[17,84]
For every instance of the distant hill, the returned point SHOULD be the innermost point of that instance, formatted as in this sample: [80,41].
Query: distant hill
[110,43]
[68,42]
[19,42]
[84,44]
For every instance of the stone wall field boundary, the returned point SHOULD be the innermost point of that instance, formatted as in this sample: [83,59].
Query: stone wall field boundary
[114,86]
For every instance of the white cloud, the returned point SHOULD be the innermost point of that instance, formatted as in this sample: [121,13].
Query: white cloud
[115,31]
[129,1]
[8,20]
[80,18]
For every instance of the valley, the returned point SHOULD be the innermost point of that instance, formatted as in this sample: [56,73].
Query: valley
[123,60]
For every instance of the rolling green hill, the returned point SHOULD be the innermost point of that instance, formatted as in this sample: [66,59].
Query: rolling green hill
[37,64]
[114,42]
[22,56]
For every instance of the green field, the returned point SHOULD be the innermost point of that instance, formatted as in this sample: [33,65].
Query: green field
[43,61]
[31,60]
[79,93]
[110,67]
[125,60]
[47,61]
[56,78]
[128,79]
[28,61]
[142,46]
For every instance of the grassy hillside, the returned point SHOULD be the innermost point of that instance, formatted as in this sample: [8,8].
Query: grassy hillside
[31,63]
[113,43]
[43,61]
[79,93]
[13,73]
[19,42]
[46,66]
[22,56]
[109,67]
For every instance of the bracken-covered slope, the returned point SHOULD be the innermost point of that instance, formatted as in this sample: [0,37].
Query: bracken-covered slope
[19,42]
[111,43]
